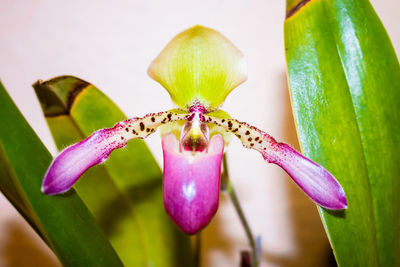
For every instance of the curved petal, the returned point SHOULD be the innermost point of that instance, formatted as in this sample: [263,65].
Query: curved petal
[73,161]
[312,178]
[199,65]
[191,183]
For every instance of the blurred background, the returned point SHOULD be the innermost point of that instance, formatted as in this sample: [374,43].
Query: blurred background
[111,44]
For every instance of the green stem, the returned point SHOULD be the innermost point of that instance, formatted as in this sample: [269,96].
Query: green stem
[227,185]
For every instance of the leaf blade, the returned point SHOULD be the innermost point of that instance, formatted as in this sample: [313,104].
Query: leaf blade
[27,159]
[340,109]
[132,173]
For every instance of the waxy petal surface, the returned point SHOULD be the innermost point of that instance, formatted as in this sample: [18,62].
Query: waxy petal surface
[320,185]
[72,162]
[312,178]
[191,183]
[199,65]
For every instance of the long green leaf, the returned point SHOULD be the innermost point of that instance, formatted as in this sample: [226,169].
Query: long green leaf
[64,222]
[125,194]
[344,79]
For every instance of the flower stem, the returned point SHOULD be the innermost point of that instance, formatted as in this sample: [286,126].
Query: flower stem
[227,185]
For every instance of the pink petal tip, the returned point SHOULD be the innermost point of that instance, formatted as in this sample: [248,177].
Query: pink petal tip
[72,162]
[320,185]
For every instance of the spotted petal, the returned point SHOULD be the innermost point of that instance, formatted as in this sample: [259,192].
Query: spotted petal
[199,65]
[312,178]
[76,159]
[320,185]
[73,161]
[191,183]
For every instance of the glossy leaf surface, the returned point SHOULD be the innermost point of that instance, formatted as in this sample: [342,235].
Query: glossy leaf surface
[344,78]
[64,222]
[125,193]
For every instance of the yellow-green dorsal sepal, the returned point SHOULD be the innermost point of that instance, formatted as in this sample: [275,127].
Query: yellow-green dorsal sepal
[199,65]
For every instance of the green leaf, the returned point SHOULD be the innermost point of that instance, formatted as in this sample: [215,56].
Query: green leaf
[124,194]
[64,222]
[344,79]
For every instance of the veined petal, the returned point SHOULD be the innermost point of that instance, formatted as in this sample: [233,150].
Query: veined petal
[73,161]
[312,178]
[191,183]
[76,159]
[201,66]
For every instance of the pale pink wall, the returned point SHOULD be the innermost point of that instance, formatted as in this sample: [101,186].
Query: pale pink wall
[110,44]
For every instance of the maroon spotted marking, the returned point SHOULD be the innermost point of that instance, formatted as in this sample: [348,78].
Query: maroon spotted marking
[256,139]
[122,138]
[197,107]
[141,126]
[148,130]
[229,124]
[169,116]
[234,131]
[153,119]
[127,129]
[201,117]
[262,138]
[134,132]
[191,116]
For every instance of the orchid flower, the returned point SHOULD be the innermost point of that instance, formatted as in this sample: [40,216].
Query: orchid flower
[198,68]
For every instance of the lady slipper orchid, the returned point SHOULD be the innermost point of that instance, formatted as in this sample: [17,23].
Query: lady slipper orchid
[198,68]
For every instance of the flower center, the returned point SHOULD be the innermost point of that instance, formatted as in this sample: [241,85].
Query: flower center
[194,135]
